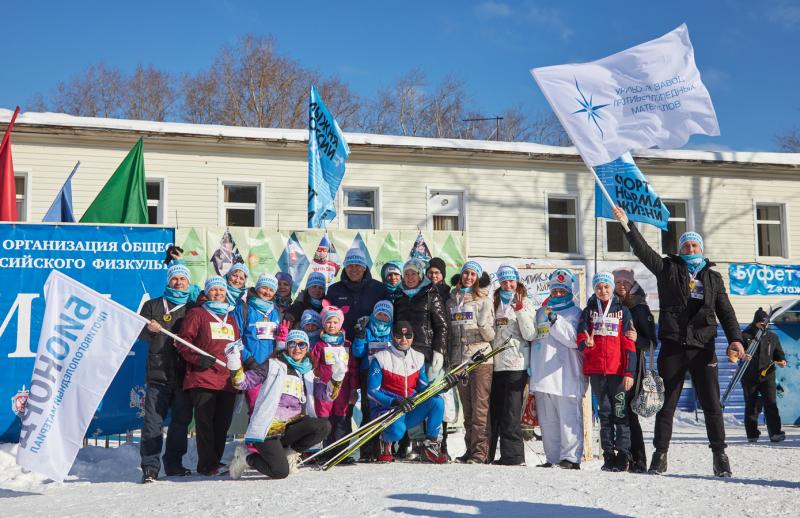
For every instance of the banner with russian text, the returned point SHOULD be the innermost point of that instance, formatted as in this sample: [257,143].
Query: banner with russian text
[764,279]
[122,262]
[630,190]
[84,339]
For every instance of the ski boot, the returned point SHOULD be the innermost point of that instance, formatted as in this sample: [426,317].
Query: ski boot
[722,466]
[431,452]
[385,453]
[609,459]
[149,476]
[658,464]
[621,462]
[239,462]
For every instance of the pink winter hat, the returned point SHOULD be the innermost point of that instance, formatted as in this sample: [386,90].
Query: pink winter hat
[331,311]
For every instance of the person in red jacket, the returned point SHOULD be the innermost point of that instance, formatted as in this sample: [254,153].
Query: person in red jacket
[211,328]
[607,337]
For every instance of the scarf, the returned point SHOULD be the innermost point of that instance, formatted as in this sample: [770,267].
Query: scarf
[410,292]
[176,296]
[464,291]
[234,294]
[506,296]
[313,336]
[315,303]
[283,302]
[561,303]
[694,262]
[381,330]
[337,339]
[265,306]
[302,367]
[218,308]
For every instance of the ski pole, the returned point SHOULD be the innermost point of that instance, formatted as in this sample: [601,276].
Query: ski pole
[192,347]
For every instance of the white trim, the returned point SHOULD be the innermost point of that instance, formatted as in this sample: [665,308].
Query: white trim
[162,200]
[375,210]
[463,214]
[222,205]
[578,254]
[783,222]
[26,200]
[689,219]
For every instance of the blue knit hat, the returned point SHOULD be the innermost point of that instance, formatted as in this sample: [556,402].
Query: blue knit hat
[355,256]
[239,266]
[690,236]
[310,316]
[296,335]
[385,307]
[474,266]
[603,277]
[507,272]
[316,279]
[178,269]
[214,282]
[562,278]
[266,280]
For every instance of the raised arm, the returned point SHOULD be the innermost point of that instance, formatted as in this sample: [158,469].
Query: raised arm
[651,259]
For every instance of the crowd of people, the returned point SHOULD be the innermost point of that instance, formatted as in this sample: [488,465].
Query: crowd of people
[302,365]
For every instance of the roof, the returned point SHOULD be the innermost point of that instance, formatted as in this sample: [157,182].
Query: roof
[62,120]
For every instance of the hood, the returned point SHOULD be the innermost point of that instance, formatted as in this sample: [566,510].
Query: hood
[636,296]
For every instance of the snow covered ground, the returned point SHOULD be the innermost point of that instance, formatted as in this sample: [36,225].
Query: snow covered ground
[104,482]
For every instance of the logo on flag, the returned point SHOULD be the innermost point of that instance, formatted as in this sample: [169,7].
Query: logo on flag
[591,110]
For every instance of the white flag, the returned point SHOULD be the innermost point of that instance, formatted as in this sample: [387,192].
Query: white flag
[649,95]
[85,338]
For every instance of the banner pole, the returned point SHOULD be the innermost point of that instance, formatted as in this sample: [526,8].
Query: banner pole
[192,347]
[603,188]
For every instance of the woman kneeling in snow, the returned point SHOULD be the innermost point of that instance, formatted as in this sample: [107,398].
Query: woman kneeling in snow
[284,421]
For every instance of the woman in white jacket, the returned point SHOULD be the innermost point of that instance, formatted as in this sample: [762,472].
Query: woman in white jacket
[557,375]
[513,321]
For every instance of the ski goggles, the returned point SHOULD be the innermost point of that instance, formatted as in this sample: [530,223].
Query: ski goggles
[296,344]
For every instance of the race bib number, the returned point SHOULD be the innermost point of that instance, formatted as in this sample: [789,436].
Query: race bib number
[461,318]
[605,326]
[221,331]
[266,330]
[293,386]
[375,347]
[542,330]
[696,289]
[336,354]
[501,322]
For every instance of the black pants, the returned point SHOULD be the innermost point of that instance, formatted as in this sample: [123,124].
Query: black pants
[673,362]
[159,400]
[767,390]
[370,449]
[613,413]
[638,453]
[213,413]
[299,436]
[505,413]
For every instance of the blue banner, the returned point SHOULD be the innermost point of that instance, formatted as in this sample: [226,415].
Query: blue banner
[122,262]
[630,190]
[327,153]
[764,279]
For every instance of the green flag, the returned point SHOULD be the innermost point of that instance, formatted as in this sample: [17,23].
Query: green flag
[123,199]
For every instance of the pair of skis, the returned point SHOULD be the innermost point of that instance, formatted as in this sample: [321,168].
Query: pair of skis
[375,427]
[751,351]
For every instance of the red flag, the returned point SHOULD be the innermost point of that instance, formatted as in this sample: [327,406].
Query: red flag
[8,189]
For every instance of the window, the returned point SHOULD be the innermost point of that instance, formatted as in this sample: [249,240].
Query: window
[241,205]
[20,185]
[769,230]
[677,225]
[359,208]
[447,210]
[615,238]
[562,225]
[155,202]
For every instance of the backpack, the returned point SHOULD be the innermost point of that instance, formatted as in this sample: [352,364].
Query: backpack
[649,397]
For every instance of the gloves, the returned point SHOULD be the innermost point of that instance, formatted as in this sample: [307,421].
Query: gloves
[404,404]
[361,327]
[234,360]
[438,362]
[339,369]
[552,317]
[204,362]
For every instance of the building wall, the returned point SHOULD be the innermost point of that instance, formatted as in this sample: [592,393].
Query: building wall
[505,193]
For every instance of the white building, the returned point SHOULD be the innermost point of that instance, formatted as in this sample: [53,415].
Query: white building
[521,201]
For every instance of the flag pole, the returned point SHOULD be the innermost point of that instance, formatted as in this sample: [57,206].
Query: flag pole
[605,192]
[192,347]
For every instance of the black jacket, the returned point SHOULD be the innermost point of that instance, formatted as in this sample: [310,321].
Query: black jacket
[677,321]
[643,320]
[356,299]
[296,309]
[427,314]
[164,364]
[769,350]
[444,291]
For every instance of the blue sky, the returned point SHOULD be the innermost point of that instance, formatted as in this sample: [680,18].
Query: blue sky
[747,51]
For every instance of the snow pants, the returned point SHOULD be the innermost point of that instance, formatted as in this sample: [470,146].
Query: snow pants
[561,422]
[159,400]
[505,409]
[673,362]
[299,436]
[213,413]
[613,412]
[475,402]
[370,449]
[767,390]
[429,412]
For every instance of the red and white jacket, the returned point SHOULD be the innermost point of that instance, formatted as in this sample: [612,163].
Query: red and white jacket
[395,374]
[613,352]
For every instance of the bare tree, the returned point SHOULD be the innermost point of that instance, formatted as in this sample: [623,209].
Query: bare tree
[789,140]
[545,128]
[150,94]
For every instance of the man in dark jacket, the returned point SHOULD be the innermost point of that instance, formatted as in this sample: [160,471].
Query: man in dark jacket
[635,299]
[759,379]
[357,292]
[691,297]
[165,373]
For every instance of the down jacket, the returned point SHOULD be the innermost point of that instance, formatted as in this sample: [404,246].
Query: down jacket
[471,326]
[612,353]
[520,326]
[426,313]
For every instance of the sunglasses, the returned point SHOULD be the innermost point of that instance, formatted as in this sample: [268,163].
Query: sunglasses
[400,336]
[296,345]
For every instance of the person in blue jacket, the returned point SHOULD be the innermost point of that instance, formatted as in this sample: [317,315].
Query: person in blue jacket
[258,319]
[396,374]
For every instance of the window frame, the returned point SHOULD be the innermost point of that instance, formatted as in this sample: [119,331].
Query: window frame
[162,214]
[783,222]
[223,205]
[689,219]
[578,221]
[343,209]
[615,253]
[463,215]
[26,200]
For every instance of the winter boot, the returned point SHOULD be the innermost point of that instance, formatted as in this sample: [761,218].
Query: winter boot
[385,452]
[464,458]
[239,462]
[621,461]
[568,464]
[149,476]
[293,458]
[777,437]
[637,466]
[431,452]
[609,460]
[658,464]
[722,466]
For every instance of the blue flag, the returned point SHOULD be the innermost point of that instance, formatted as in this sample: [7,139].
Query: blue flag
[327,152]
[61,209]
[629,189]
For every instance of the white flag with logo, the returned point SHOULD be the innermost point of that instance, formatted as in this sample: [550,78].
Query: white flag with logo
[85,338]
[649,95]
